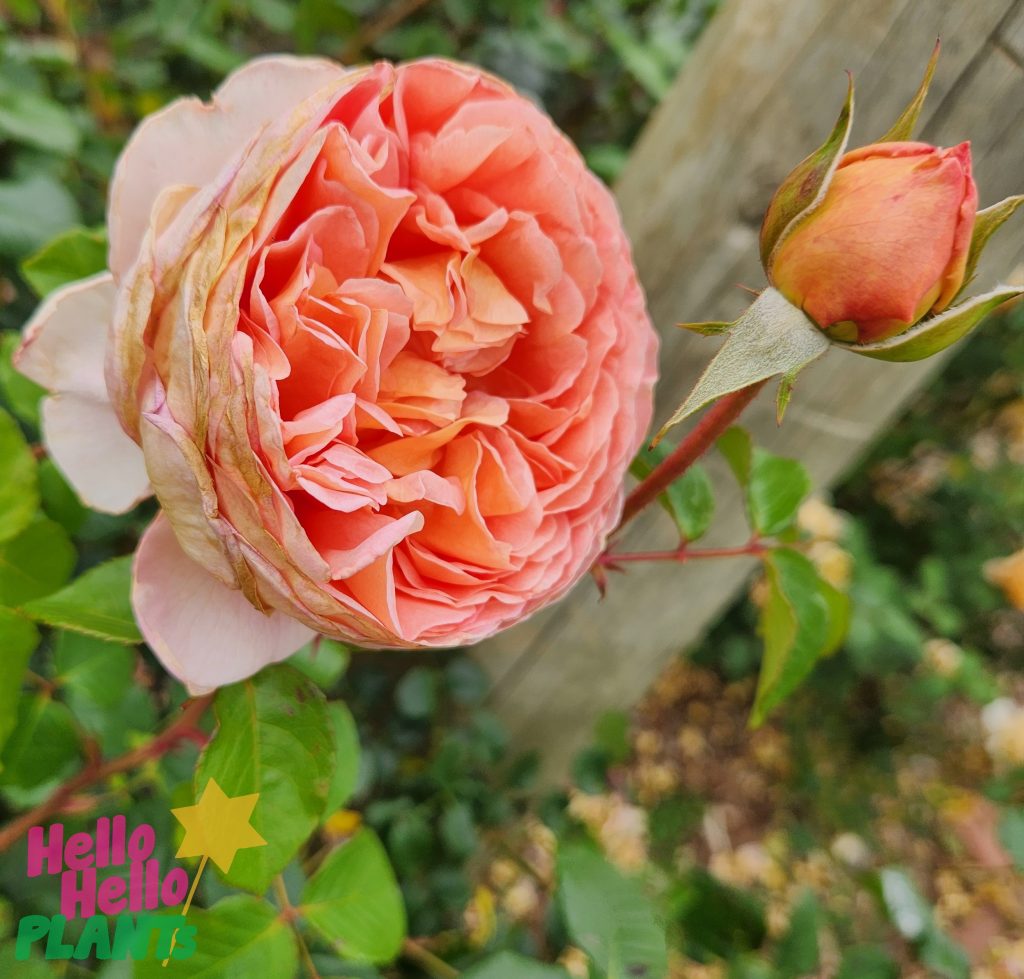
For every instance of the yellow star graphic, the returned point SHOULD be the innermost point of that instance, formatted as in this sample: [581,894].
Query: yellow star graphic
[218,826]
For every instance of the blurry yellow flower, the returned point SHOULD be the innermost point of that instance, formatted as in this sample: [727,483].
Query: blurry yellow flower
[850,849]
[943,657]
[745,866]
[1003,720]
[1007,573]
[343,824]
[504,873]
[759,592]
[833,563]
[575,962]
[648,742]
[624,836]
[821,521]
[521,900]
[619,827]
[591,810]
[654,781]
[692,743]
[1011,425]
[480,918]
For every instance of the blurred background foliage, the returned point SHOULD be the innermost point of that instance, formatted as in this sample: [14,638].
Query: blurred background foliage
[874,828]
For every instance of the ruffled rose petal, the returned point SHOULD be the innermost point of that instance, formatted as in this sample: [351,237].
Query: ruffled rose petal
[204,633]
[189,141]
[397,336]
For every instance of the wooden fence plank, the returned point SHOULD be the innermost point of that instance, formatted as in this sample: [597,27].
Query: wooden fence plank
[760,91]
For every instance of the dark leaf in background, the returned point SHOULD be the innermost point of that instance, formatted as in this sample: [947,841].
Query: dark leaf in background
[610,917]
[19,490]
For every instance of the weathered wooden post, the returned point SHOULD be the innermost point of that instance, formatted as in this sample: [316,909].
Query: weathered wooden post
[760,91]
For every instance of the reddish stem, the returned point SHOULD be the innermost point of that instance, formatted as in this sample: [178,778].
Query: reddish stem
[704,434]
[181,729]
[683,554]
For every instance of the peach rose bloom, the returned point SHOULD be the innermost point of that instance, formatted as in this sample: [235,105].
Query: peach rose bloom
[889,242]
[374,339]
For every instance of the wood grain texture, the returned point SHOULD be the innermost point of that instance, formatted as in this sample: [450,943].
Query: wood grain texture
[760,91]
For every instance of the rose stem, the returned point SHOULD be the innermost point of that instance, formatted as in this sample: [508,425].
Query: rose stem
[434,966]
[289,913]
[182,728]
[683,554]
[719,417]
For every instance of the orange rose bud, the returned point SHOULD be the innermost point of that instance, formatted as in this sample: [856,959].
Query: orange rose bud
[887,244]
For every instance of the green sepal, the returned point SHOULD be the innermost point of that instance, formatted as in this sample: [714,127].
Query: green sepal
[903,128]
[986,224]
[784,395]
[803,190]
[712,328]
[937,332]
[772,337]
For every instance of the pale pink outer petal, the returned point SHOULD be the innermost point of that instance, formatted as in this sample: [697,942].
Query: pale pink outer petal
[63,350]
[189,141]
[88,445]
[64,343]
[203,632]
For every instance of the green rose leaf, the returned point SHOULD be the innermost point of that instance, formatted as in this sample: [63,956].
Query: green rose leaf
[867,962]
[95,675]
[458,830]
[98,603]
[35,563]
[239,936]
[737,448]
[803,619]
[13,968]
[1011,834]
[346,757]
[354,903]
[32,210]
[19,490]
[43,746]
[323,661]
[504,965]
[18,638]
[719,919]
[908,911]
[274,737]
[944,957]
[59,499]
[689,501]
[416,695]
[609,916]
[798,953]
[33,119]
[775,490]
[74,254]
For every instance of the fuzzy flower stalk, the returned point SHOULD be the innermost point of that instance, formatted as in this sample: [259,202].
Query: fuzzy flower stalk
[868,250]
